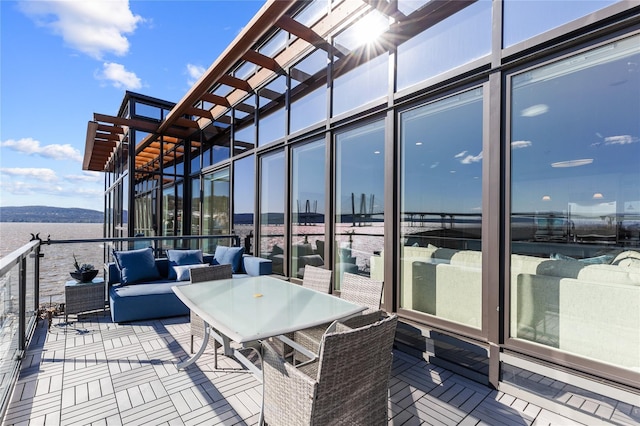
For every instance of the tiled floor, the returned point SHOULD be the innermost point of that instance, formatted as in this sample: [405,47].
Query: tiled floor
[94,372]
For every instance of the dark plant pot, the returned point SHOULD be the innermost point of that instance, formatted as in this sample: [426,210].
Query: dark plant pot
[84,276]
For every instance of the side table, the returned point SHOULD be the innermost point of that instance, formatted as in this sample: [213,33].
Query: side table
[83,297]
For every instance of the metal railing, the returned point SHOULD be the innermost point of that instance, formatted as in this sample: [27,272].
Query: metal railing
[20,290]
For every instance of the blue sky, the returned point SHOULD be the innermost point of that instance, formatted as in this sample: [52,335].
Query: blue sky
[61,61]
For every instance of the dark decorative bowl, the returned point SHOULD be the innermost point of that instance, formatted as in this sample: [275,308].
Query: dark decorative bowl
[84,276]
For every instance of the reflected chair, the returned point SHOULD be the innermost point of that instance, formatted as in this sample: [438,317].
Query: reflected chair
[210,273]
[316,278]
[357,289]
[347,384]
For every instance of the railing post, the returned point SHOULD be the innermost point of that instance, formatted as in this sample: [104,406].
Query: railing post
[22,305]
[36,277]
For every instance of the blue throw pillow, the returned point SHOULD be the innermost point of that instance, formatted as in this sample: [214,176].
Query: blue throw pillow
[136,265]
[181,258]
[229,255]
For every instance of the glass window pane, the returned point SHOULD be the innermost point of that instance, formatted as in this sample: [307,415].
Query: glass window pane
[308,110]
[575,202]
[359,199]
[361,85]
[307,206]
[272,207]
[244,197]
[455,41]
[441,201]
[524,19]
[215,206]
[271,127]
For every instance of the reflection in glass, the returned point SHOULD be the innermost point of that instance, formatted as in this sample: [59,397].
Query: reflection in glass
[455,41]
[272,207]
[215,206]
[525,19]
[441,201]
[271,127]
[308,110]
[575,204]
[307,206]
[366,83]
[244,198]
[359,199]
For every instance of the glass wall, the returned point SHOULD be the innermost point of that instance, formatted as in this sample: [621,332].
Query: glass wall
[575,203]
[272,207]
[526,19]
[359,199]
[215,205]
[441,208]
[308,165]
[455,41]
[243,199]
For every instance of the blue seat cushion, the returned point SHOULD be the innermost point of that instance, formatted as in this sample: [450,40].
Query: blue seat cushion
[145,301]
[136,265]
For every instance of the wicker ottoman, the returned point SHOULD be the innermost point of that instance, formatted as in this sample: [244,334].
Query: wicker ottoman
[83,297]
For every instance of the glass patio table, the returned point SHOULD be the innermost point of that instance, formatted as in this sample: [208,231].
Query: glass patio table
[247,310]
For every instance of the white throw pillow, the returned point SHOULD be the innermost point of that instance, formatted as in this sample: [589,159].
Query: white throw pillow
[182,271]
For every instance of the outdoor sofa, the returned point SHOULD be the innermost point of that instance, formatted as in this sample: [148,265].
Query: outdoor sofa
[139,286]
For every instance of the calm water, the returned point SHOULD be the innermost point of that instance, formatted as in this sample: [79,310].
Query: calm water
[58,258]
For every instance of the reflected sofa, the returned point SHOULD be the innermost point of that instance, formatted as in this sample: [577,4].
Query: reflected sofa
[592,310]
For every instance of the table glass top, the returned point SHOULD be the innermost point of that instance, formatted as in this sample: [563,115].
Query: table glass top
[254,308]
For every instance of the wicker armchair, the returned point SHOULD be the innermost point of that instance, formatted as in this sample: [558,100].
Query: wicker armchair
[210,273]
[318,279]
[355,288]
[347,384]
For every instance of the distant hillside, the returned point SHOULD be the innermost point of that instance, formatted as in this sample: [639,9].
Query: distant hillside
[44,214]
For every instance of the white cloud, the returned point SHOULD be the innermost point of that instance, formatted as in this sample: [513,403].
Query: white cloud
[535,110]
[31,146]
[194,72]
[469,159]
[620,140]
[86,176]
[41,174]
[119,76]
[520,144]
[461,154]
[93,27]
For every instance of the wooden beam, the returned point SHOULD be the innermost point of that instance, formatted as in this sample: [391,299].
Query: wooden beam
[215,99]
[236,82]
[111,129]
[262,60]
[199,112]
[185,122]
[245,108]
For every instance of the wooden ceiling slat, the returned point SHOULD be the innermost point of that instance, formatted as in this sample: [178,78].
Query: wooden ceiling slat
[110,129]
[107,136]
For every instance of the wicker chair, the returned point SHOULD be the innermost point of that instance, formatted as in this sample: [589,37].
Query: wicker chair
[355,288]
[210,273]
[347,384]
[318,279]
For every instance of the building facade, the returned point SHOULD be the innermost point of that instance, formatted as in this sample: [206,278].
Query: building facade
[482,158]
